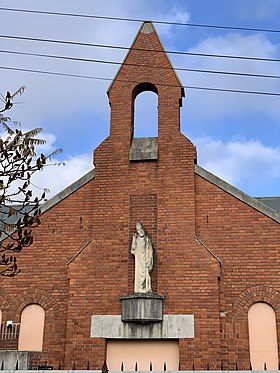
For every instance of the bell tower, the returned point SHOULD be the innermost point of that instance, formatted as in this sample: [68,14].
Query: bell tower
[151,180]
[157,173]
[145,68]
[144,205]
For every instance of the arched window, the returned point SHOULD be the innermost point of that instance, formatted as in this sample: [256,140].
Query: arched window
[31,328]
[145,111]
[263,337]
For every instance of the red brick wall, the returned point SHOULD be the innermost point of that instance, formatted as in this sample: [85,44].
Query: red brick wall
[43,278]
[124,191]
[174,205]
[247,243]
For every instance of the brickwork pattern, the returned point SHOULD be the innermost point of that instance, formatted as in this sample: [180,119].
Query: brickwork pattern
[175,206]
[247,243]
[44,273]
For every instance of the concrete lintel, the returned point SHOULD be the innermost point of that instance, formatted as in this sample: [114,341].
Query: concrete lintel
[172,326]
[256,204]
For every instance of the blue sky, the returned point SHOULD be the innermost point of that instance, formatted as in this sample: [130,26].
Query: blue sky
[237,135]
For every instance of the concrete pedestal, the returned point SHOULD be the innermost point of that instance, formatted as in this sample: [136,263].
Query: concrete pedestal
[142,307]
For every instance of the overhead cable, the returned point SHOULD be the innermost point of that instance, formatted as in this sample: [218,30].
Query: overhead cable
[131,81]
[92,16]
[138,49]
[80,59]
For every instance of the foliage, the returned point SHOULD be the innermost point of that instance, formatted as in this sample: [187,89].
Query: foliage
[19,210]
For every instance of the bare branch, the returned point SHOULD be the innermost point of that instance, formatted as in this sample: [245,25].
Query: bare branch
[19,209]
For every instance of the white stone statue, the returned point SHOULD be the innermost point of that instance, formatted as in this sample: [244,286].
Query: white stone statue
[142,250]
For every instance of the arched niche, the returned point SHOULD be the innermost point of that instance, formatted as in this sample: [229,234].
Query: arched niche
[31,328]
[263,337]
[145,110]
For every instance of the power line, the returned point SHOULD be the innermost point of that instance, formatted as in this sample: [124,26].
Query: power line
[138,49]
[80,59]
[140,20]
[131,81]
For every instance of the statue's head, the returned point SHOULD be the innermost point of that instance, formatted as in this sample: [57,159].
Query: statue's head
[140,229]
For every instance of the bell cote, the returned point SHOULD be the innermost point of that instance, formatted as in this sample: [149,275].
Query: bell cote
[145,68]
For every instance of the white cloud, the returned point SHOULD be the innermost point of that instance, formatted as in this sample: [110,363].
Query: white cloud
[249,165]
[218,104]
[54,98]
[61,105]
[174,15]
[56,178]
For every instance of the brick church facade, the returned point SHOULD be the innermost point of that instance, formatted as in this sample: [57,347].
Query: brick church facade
[215,249]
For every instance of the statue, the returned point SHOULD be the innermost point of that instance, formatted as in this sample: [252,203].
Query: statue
[142,250]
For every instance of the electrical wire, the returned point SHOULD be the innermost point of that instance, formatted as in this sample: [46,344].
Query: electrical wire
[80,59]
[140,20]
[138,49]
[132,81]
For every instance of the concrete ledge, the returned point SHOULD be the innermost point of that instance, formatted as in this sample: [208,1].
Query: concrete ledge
[257,205]
[142,308]
[144,149]
[172,326]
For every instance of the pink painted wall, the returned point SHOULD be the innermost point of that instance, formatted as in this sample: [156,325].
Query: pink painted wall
[143,352]
[31,328]
[263,337]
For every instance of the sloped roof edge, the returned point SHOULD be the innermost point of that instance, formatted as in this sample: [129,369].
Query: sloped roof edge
[146,27]
[67,191]
[256,204]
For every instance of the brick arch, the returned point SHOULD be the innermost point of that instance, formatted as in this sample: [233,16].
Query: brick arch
[144,87]
[4,300]
[32,296]
[254,294]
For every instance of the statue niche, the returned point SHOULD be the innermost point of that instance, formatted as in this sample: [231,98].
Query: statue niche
[142,250]
[143,306]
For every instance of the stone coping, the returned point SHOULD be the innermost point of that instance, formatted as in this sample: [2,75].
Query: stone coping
[253,202]
[67,191]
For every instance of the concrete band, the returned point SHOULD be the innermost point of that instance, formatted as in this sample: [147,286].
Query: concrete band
[172,326]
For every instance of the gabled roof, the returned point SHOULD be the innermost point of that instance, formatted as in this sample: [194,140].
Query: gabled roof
[67,191]
[273,202]
[253,202]
[265,205]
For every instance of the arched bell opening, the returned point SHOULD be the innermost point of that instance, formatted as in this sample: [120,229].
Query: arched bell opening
[144,128]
